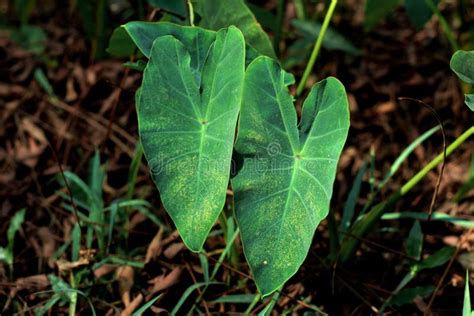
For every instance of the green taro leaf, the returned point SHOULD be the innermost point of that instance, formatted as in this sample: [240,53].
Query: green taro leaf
[141,35]
[175,6]
[217,14]
[284,187]
[462,63]
[120,43]
[187,112]
[469,100]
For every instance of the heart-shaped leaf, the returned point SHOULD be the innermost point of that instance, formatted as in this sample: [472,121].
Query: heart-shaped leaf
[175,6]
[187,112]
[462,63]
[141,35]
[469,100]
[217,14]
[284,187]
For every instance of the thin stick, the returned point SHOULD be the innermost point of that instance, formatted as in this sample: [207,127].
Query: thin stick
[68,188]
[349,246]
[436,161]
[443,165]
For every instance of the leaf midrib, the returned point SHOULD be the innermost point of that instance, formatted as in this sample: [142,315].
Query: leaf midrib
[278,99]
[204,121]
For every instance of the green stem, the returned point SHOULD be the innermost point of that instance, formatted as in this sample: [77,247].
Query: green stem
[191,13]
[277,37]
[362,227]
[317,48]
[333,234]
[300,11]
[249,309]
[445,25]
[72,296]
[436,161]
[98,40]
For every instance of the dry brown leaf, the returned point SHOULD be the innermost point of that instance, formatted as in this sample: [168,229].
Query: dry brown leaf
[173,250]
[7,170]
[60,126]
[451,240]
[44,243]
[71,94]
[36,132]
[137,218]
[466,259]
[170,238]
[32,283]
[155,247]
[64,265]
[163,282]
[28,153]
[48,243]
[9,90]
[293,291]
[385,107]
[158,310]
[104,269]
[353,105]
[457,280]
[125,277]
[108,103]
[9,108]
[132,306]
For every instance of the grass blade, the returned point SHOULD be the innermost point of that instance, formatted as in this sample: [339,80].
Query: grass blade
[466,309]
[204,266]
[236,299]
[76,242]
[436,216]
[188,292]
[13,228]
[269,308]
[352,198]
[405,153]
[146,306]
[224,253]
[113,214]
